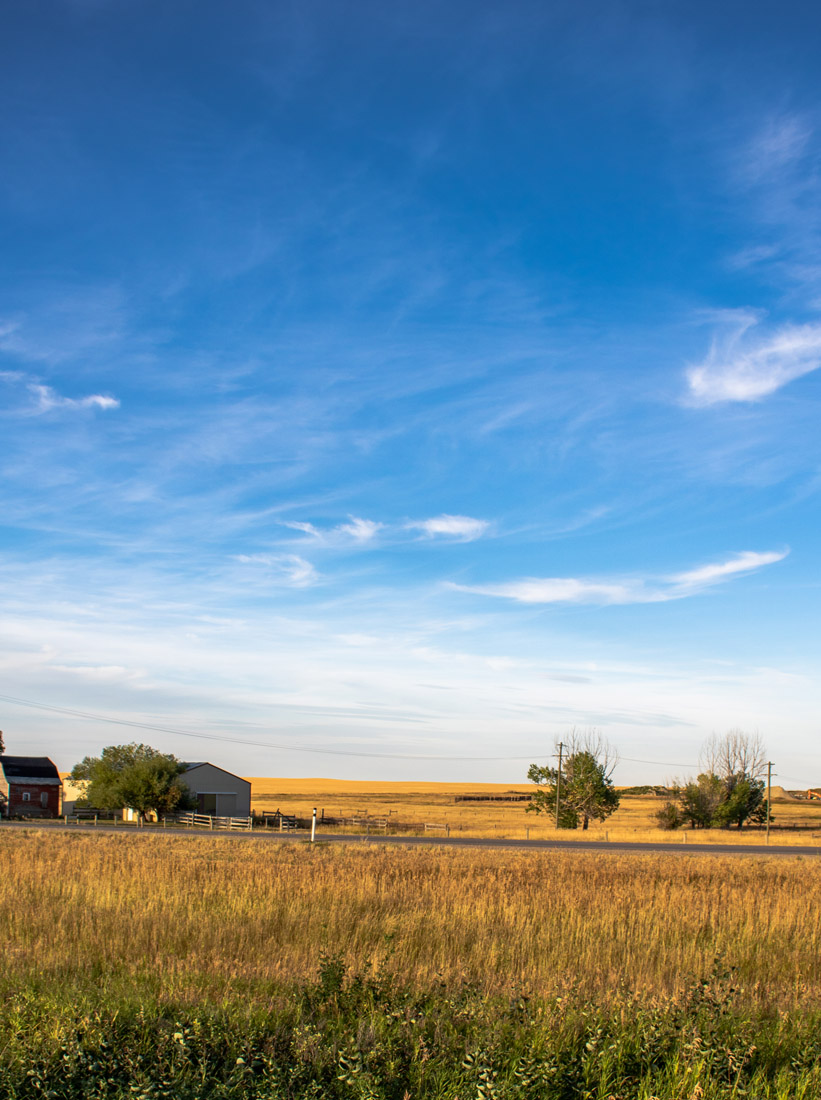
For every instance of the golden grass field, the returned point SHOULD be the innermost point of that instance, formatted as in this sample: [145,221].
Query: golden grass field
[181,918]
[435,803]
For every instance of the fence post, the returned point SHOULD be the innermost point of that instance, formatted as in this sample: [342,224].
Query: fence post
[313,826]
[211,822]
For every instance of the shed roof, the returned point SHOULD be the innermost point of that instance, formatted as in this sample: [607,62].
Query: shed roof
[189,767]
[29,767]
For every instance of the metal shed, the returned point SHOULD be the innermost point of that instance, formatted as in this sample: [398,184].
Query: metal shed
[218,792]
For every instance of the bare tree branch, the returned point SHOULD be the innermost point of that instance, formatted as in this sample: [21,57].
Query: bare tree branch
[590,740]
[734,753]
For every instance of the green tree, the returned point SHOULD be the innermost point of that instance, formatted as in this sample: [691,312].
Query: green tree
[669,816]
[699,801]
[134,776]
[2,746]
[729,791]
[586,792]
[744,801]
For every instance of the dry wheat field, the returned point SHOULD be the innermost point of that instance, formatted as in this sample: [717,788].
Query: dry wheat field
[184,915]
[408,806]
[206,968]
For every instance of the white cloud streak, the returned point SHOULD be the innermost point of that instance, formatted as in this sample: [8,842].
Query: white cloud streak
[288,569]
[363,531]
[778,146]
[48,399]
[745,562]
[360,530]
[464,528]
[573,590]
[305,528]
[357,530]
[745,368]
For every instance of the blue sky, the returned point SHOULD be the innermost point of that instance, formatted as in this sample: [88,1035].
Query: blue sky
[414,380]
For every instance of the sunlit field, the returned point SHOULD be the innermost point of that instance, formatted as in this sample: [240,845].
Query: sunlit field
[408,807]
[183,917]
[203,968]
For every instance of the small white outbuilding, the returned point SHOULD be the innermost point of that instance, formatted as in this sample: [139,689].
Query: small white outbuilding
[218,792]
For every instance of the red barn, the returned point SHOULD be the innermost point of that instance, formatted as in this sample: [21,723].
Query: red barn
[29,787]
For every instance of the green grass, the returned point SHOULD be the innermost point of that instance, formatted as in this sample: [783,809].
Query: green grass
[365,1035]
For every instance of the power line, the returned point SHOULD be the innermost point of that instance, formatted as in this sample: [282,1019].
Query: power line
[661,763]
[224,738]
[257,744]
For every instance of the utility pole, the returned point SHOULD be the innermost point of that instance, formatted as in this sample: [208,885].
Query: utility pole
[769,795]
[559,783]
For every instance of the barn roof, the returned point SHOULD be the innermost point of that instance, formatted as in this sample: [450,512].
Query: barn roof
[36,768]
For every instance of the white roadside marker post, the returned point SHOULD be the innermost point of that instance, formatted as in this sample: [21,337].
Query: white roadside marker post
[313,826]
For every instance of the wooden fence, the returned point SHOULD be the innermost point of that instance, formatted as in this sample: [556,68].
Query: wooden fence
[285,823]
[493,798]
[207,821]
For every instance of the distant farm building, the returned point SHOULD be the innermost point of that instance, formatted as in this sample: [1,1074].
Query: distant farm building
[218,792]
[72,794]
[29,787]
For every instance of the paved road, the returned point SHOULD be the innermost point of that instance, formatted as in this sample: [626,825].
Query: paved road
[679,848]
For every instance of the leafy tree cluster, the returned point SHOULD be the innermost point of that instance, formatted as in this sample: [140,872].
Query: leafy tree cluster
[712,801]
[134,776]
[730,790]
[586,791]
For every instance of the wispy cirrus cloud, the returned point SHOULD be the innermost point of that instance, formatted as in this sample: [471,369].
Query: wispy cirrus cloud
[362,531]
[356,530]
[547,590]
[288,569]
[775,174]
[463,528]
[67,324]
[747,366]
[778,146]
[46,398]
[716,572]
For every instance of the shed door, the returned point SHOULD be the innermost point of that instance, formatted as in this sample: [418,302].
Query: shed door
[207,804]
[44,799]
[227,805]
